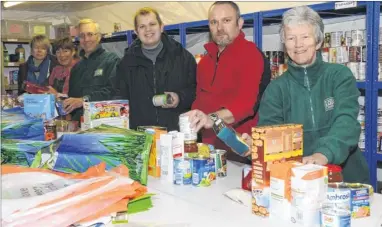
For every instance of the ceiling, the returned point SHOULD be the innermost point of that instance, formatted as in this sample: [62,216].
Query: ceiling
[67,6]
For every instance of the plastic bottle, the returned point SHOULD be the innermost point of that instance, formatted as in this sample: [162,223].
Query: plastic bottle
[20,52]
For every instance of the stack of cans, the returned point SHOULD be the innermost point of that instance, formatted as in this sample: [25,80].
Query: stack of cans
[361,120]
[347,48]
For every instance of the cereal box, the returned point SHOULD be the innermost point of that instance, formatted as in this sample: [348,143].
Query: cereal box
[112,112]
[271,145]
[309,184]
[280,189]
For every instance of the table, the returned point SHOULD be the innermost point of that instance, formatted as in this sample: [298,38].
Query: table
[187,205]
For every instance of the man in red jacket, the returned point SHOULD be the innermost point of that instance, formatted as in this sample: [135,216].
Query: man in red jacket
[228,77]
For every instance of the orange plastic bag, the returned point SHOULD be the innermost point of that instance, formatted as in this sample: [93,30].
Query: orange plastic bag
[92,195]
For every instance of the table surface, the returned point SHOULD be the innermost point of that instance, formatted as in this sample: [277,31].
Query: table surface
[187,205]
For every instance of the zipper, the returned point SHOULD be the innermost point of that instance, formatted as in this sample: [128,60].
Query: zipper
[155,92]
[216,67]
[306,81]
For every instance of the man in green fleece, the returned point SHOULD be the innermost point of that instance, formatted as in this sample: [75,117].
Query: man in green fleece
[321,96]
[90,78]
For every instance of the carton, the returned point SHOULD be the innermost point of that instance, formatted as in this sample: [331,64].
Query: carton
[280,189]
[166,158]
[113,112]
[309,185]
[155,154]
[271,145]
[40,106]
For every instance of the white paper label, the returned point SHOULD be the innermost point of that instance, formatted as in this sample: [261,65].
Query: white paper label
[37,189]
[344,5]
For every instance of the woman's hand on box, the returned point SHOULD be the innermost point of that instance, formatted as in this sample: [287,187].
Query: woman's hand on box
[317,158]
[71,104]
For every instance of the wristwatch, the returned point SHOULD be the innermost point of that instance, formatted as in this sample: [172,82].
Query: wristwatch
[214,117]
[218,124]
[86,98]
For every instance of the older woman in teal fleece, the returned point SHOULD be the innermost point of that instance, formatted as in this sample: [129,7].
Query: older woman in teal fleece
[321,96]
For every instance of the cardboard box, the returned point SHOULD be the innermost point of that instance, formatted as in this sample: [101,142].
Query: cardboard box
[309,185]
[113,112]
[280,189]
[272,144]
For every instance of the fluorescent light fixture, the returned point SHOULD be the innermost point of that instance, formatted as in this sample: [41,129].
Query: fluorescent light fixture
[10,4]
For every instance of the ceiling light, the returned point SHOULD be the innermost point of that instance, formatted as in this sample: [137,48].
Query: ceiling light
[10,4]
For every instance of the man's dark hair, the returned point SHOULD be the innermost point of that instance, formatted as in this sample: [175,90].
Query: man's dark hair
[232,4]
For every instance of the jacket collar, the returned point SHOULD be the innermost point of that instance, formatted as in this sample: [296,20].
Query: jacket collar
[213,49]
[312,71]
[136,47]
[98,51]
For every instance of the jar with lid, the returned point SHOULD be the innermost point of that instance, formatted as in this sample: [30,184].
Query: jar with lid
[334,173]
[190,136]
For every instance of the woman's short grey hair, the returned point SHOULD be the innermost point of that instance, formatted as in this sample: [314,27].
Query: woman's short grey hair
[303,15]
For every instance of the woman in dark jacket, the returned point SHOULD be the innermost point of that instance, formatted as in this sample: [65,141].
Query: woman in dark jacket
[155,64]
[39,65]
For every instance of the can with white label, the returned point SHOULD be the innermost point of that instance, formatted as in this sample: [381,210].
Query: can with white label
[160,100]
[184,127]
[334,217]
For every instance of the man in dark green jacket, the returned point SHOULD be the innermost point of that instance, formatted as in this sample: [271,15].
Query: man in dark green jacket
[90,78]
[321,96]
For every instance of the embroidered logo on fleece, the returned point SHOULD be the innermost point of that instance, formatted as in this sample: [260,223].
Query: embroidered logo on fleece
[329,103]
[98,72]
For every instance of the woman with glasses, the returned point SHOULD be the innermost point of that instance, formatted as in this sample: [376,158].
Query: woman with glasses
[39,65]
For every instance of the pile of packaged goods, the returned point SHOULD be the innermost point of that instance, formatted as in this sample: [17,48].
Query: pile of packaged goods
[9,102]
[348,48]
[310,195]
[176,157]
[278,62]
[104,166]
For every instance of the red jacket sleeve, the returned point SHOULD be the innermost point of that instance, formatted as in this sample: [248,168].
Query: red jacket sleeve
[248,82]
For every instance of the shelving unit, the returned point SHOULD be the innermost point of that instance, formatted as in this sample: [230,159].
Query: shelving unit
[376,86]
[12,65]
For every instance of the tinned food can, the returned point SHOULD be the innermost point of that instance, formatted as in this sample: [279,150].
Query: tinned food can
[201,172]
[50,130]
[160,100]
[220,162]
[182,171]
[335,217]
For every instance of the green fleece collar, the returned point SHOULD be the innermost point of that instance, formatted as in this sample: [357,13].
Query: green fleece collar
[313,71]
[98,51]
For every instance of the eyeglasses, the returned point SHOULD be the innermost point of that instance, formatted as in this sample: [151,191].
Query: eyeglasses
[89,35]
